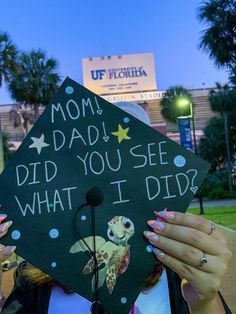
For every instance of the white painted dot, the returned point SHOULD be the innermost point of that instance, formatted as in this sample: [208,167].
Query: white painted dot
[53,233]
[54,264]
[15,234]
[69,90]
[179,161]
[126,119]
[149,248]
[123,300]
[83,217]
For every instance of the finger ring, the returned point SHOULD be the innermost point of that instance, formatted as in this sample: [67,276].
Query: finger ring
[203,259]
[213,227]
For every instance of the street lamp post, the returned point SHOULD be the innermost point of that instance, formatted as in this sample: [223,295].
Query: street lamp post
[183,102]
[194,134]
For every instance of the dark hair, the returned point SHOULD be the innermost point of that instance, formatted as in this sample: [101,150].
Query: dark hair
[39,278]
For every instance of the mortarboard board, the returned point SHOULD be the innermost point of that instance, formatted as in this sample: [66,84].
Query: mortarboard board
[85,156]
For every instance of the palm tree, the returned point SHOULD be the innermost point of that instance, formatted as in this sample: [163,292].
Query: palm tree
[169,109]
[222,100]
[219,38]
[35,81]
[8,56]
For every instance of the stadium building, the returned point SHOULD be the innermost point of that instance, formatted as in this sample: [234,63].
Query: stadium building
[123,78]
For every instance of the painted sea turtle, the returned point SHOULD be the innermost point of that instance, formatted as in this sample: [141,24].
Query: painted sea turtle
[115,255]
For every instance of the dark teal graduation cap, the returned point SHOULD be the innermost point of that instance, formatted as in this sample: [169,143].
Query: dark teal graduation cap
[88,176]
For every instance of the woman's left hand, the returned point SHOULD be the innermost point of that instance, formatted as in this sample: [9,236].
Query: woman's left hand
[195,250]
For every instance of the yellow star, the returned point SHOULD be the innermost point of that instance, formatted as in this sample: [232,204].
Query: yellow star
[121,134]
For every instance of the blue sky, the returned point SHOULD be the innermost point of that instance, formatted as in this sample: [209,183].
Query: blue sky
[73,29]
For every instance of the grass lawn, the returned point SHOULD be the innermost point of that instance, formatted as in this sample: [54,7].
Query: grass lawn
[222,215]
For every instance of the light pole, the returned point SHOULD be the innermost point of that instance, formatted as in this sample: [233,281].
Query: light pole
[182,103]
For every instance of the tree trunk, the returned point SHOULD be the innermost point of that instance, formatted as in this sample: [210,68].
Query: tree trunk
[27,127]
[36,111]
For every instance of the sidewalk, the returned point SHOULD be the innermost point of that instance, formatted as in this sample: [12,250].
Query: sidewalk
[212,203]
[228,284]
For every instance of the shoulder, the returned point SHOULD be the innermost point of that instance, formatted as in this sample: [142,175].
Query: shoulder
[26,297]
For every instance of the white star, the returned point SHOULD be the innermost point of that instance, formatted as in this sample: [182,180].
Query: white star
[38,143]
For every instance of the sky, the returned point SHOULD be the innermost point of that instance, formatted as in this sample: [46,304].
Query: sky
[69,30]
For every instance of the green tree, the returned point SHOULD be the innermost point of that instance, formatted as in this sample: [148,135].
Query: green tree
[222,100]
[219,38]
[219,41]
[35,81]
[8,147]
[232,77]
[169,108]
[212,144]
[8,57]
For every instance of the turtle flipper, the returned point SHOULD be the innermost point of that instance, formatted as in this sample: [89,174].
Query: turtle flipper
[79,246]
[111,278]
[102,258]
[89,267]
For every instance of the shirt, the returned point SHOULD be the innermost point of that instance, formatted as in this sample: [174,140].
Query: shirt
[154,301]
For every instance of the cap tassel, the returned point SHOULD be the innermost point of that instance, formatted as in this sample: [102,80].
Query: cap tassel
[94,198]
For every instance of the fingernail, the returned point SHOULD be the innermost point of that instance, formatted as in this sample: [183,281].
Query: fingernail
[166,214]
[8,250]
[2,217]
[5,226]
[151,235]
[159,253]
[159,217]
[151,222]
[158,225]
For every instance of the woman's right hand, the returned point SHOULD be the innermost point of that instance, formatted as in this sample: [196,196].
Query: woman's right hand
[5,251]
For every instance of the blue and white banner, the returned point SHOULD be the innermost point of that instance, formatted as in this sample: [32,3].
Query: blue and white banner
[185,132]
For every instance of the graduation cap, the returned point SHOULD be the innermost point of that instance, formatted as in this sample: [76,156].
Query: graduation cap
[81,188]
